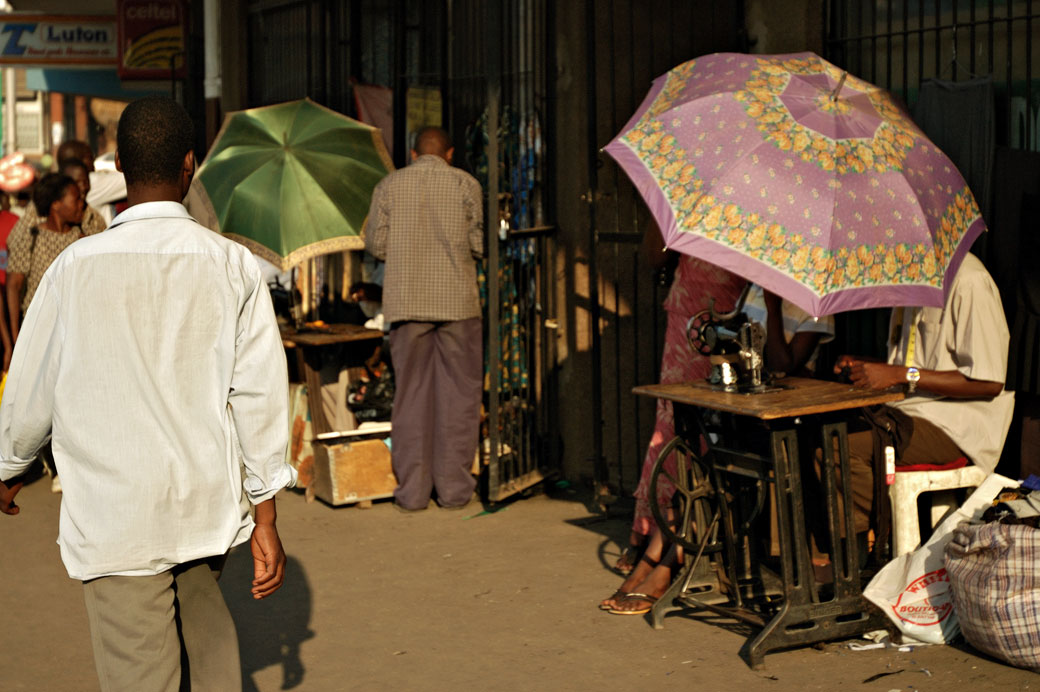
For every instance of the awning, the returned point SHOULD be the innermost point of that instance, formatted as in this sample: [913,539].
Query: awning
[104,83]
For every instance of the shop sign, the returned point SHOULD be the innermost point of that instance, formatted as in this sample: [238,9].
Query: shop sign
[152,39]
[36,39]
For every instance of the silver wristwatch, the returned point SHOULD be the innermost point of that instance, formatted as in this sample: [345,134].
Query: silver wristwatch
[913,376]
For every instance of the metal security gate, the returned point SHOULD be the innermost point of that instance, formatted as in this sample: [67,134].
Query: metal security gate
[630,43]
[904,44]
[501,97]
[488,64]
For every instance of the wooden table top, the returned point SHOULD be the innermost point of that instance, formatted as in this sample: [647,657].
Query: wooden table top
[328,335]
[802,397]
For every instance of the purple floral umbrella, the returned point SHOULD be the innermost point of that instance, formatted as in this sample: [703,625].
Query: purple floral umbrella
[808,181]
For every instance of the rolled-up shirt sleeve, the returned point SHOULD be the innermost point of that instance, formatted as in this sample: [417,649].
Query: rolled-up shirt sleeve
[259,398]
[27,408]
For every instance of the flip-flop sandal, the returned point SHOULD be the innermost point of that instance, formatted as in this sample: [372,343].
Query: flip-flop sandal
[635,597]
[617,596]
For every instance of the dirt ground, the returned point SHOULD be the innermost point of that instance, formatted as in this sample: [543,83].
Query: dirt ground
[472,600]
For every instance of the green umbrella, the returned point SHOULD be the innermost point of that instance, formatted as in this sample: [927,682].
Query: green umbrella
[292,181]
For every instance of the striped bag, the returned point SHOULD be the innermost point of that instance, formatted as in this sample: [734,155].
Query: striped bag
[996,589]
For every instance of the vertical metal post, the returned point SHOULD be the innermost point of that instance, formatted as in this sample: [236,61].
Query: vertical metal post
[991,23]
[494,96]
[1029,134]
[938,39]
[906,52]
[920,45]
[447,67]
[400,29]
[1010,64]
[888,51]
[618,419]
[599,467]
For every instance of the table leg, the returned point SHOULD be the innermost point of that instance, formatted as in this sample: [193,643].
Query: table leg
[312,377]
[805,617]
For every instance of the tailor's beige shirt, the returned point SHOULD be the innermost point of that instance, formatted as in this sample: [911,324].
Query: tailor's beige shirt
[969,334]
[426,221]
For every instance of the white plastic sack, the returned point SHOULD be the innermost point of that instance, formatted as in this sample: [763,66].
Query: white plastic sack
[913,590]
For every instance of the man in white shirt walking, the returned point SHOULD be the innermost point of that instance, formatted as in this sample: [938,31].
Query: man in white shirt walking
[151,358]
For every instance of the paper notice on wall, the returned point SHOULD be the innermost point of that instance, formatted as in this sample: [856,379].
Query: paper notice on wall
[424,109]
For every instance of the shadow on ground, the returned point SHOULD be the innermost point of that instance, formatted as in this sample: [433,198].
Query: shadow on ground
[270,632]
[613,525]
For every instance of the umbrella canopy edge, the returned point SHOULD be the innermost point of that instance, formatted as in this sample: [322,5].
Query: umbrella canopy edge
[300,255]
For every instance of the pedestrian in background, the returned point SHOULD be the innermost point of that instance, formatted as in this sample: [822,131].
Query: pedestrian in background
[151,358]
[426,222]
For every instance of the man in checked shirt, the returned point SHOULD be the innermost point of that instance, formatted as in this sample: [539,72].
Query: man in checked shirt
[426,221]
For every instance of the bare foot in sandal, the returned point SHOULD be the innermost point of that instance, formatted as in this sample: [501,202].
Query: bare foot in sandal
[641,597]
[651,558]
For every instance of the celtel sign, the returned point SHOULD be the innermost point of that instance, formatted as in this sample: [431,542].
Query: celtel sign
[35,39]
[152,39]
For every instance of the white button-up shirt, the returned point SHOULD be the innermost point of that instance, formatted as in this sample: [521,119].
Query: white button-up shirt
[151,357]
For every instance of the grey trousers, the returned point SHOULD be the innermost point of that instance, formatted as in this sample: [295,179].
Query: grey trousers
[438,370]
[143,628]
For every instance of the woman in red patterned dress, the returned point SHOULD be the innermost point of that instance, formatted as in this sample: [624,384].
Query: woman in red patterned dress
[695,285]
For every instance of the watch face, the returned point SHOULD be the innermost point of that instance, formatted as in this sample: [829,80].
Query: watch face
[912,375]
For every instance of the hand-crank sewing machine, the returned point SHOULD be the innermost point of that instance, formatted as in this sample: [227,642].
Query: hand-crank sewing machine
[733,344]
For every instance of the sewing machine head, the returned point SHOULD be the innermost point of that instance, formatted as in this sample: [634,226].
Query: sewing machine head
[734,346]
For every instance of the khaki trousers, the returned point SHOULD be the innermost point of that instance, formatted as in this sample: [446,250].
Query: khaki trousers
[147,630]
[928,445]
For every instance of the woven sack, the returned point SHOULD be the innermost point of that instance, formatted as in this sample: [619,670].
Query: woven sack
[996,589]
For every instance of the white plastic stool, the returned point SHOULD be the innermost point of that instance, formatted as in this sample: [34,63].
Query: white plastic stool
[906,529]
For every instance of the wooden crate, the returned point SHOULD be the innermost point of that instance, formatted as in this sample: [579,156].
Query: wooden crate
[353,466]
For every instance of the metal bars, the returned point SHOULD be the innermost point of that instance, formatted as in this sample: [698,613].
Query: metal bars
[630,43]
[954,40]
[491,63]
[500,117]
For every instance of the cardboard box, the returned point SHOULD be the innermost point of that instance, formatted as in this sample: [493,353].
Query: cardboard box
[353,466]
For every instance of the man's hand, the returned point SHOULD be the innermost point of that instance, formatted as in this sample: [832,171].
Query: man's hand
[870,375]
[268,560]
[7,493]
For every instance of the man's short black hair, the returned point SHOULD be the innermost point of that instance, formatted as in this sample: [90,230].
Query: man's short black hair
[155,133]
[432,140]
[75,149]
[49,190]
[65,164]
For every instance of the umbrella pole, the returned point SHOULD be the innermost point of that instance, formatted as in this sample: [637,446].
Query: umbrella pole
[294,301]
[837,89]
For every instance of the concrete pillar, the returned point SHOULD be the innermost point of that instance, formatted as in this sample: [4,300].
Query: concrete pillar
[57,118]
[80,110]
